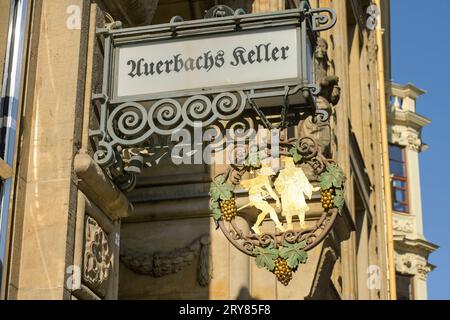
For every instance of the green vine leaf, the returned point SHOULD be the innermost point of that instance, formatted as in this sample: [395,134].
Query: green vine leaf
[265,257]
[297,157]
[253,161]
[294,254]
[339,200]
[332,177]
[220,190]
[215,210]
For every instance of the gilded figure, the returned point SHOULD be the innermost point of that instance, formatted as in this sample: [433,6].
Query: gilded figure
[293,185]
[259,189]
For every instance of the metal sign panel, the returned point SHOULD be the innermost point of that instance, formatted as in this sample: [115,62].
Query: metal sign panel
[230,60]
[269,51]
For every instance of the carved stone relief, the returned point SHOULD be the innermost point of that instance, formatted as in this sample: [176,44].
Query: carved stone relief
[403,225]
[159,264]
[98,255]
[406,137]
[414,143]
[412,264]
[318,127]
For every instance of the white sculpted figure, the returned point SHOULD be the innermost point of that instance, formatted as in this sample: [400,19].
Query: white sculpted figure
[293,185]
[259,189]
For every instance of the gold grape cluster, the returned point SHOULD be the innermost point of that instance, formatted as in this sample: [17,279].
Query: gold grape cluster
[228,209]
[282,271]
[327,198]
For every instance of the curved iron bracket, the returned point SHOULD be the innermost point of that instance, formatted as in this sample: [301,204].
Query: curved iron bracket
[321,21]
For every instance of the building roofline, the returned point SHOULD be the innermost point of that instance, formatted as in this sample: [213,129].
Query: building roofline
[408,90]
[409,119]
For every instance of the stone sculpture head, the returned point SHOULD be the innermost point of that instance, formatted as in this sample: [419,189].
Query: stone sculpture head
[321,49]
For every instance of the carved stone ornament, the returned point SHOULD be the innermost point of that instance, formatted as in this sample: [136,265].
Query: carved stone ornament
[414,143]
[159,264]
[282,251]
[406,137]
[402,225]
[98,255]
[318,126]
[412,264]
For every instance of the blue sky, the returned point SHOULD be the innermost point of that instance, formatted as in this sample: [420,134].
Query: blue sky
[421,55]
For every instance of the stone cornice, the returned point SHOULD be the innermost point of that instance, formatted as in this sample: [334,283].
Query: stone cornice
[417,245]
[412,264]
[408,90]
[408,119]
[411,256]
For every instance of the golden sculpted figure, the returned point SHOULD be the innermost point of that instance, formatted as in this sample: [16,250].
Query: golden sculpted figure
[259,189]
[293,185]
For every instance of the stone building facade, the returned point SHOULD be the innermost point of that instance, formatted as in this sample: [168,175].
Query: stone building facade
[411,247]
[73,230]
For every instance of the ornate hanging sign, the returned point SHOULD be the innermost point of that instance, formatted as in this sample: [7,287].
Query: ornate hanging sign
[285,248]
[232,70]
[162,79]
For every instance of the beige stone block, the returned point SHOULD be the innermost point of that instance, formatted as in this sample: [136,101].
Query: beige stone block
[267,5]
[220,248]
[303,279]
[46,204]
[163,236]
[41,294]
[263,284]
[42,262]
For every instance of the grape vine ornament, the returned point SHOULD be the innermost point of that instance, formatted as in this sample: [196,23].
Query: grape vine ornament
[284,250]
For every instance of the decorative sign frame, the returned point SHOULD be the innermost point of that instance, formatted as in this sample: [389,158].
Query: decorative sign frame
[283,251]
[130,121]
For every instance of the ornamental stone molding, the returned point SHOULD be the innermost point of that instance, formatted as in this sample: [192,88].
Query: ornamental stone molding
[406,125]
[403,225]
[406,137]
[160,264]
[98,255]
[329,96]
[412,264]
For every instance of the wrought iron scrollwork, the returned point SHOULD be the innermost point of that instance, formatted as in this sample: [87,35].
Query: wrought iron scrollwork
[134,123]
[321,21]
[131,124]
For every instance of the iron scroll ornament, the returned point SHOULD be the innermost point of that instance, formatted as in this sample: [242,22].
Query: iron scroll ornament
[282,252]
[131,124]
